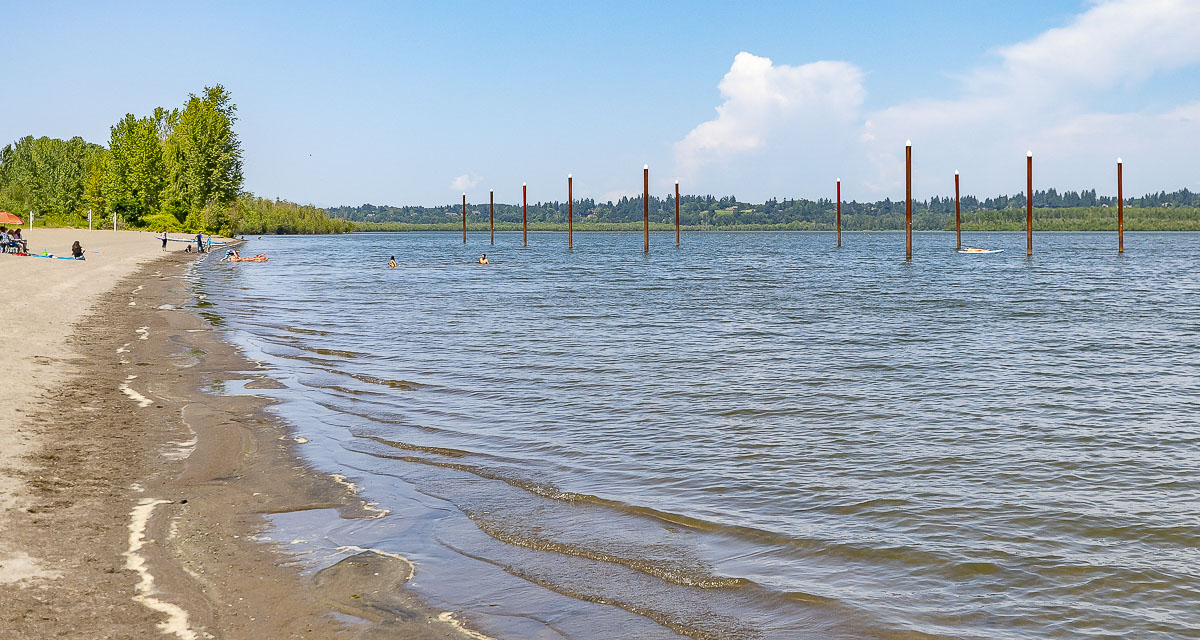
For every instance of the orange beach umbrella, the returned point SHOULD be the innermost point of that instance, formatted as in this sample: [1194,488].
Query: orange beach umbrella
[9,218]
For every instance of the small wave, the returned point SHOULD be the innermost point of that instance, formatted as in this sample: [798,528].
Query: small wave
[683,576]
[403,385]
[441,451]
[334,352]
[713,626]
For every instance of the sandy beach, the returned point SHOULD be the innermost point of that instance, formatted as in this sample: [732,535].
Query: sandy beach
[131,493]
[51,296]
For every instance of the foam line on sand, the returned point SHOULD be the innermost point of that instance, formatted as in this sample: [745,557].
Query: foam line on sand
[177,619]
[142,400]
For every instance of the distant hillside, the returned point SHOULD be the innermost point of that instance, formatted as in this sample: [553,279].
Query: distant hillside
[1067,211]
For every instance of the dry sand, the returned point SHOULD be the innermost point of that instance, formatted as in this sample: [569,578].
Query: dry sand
[46,299]
[132,497]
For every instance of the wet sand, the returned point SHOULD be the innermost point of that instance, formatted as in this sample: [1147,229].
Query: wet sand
[133,500]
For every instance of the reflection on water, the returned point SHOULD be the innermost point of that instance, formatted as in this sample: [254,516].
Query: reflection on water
[757,435]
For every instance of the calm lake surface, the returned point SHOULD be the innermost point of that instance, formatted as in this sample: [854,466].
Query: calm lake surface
[758,435]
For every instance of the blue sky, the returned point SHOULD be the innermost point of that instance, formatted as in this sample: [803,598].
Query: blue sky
[397,103]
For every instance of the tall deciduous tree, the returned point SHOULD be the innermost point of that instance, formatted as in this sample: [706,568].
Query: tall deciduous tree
[135,177]
[203,154]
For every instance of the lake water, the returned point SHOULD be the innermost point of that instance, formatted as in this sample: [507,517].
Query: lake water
[757,435]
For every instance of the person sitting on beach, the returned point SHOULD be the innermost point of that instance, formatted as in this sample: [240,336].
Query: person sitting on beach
[5,239]
[77,251]
[483,259]
[15,240]
[392,263]
[188,248]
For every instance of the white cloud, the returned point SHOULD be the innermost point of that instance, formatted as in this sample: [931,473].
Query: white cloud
[787,130]
[464,182]
[1117,42]
[1038,96]
[768,104]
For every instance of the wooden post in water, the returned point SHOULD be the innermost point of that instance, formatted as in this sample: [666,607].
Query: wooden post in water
[492,215]
[1029,203]
[677,213]
[957,216]
[524,223]
[1120,210]
[908,200]
[839,211]
[646,208]
[570,214]
[464,217]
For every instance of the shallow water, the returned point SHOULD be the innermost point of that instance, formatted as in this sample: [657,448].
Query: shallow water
[758,435]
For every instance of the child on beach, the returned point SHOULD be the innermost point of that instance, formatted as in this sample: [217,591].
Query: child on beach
[163,236]
[77,251]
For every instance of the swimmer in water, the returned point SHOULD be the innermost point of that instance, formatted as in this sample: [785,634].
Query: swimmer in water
[392,263]
[483,259]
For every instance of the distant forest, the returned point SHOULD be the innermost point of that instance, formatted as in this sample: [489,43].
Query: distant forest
[1054,211]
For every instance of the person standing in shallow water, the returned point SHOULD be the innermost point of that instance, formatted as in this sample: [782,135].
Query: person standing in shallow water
[392,263]
[483,259]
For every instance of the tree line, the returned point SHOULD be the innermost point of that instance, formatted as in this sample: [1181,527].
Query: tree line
[1067,211]
[177,170]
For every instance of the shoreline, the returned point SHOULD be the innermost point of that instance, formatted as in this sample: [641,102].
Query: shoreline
[144,494]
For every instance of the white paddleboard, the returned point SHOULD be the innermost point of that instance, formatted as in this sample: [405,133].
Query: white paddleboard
[974,250]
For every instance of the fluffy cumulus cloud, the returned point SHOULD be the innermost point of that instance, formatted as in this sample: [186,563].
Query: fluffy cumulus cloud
[464,182]
[1039,94]
[769,109]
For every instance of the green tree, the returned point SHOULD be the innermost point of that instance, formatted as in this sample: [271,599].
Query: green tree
[93,186]
[202,155]
[47,175]
[136,177]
